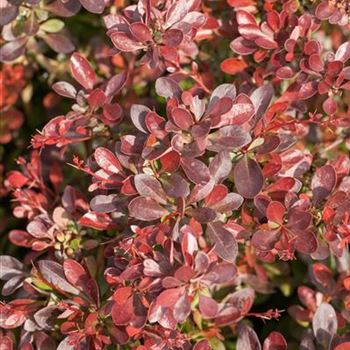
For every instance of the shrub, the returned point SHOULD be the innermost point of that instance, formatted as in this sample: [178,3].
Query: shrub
[189,185]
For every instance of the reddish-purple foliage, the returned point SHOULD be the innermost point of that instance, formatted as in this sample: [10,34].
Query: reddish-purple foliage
[170,201]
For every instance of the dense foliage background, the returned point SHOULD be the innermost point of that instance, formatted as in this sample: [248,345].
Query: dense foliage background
[175,174]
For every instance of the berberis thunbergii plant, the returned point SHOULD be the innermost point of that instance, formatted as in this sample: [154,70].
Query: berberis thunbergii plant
[178,174]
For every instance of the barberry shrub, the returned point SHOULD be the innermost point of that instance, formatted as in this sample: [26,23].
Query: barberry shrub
[178,175]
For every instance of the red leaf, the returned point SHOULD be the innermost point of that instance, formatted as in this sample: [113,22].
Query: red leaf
[306,242]
[107,160]
[203,345]
[77,275]
[343,346]
[82,71]
[53,274]
[208,307]
[275,212]
[140,31]
[323,275]
[182,118]
[275,341]
[329,106]
[172,37]
[233,66]
[98,221]
[125,43]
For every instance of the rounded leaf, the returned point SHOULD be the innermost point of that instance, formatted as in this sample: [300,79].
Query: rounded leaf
[225,245]
[82,71]
[146,209]
[323,182]
[195,170]
[148,186]
[233,66]
[275,341]
[324,324]
[248,177]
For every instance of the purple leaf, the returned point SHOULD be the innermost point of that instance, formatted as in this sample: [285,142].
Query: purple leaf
[220,167]
[182,118]
[167,87]
[248,177]
[202,345]
[261,98]
[148,186]
[242,46]
[176,186]
[12,50]
[53,274]
[202,215]
[195,170]
[46,317]
[225,245]
[64,9]
[59,43]
[106,203]
[172,37]
[247,339]
[93,6]
[10,267]
[8,13]
[265,240]
[305,241]
[219,273]
[146,209]
[199,192]
[241,112]
[223,90]
[228,138]
[116,83]
[138,114]
[323,182]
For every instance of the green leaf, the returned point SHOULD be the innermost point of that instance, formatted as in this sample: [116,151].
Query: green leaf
[52,26]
